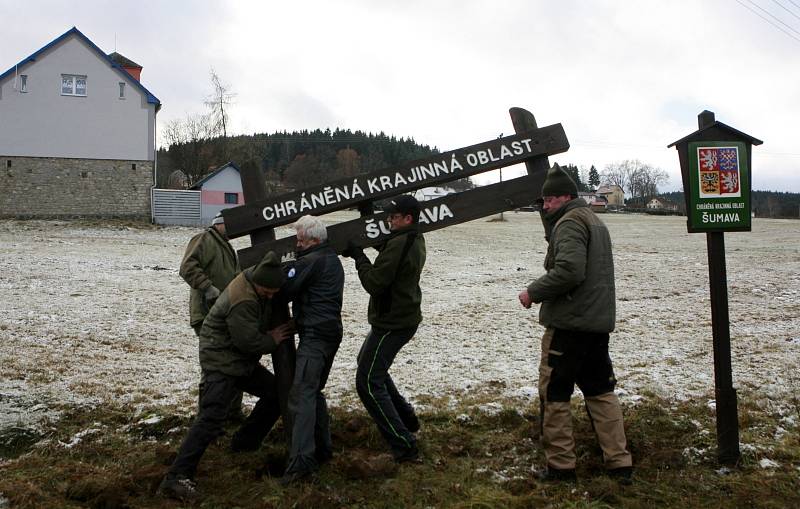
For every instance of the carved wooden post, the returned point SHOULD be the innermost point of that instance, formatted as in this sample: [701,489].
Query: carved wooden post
[725,393]
[254,188]
[523,120]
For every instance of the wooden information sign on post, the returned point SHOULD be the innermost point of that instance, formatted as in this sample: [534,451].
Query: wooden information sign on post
[715,165]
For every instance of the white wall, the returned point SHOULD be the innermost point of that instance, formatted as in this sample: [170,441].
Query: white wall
[226,181]
[44,123]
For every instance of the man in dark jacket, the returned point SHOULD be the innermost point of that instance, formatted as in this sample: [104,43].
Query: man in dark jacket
[314,283]
[208,265]
[578,302]
[233,338]
[392,282]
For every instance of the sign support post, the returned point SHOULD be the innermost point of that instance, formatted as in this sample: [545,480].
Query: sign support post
[715,165]
[254,188]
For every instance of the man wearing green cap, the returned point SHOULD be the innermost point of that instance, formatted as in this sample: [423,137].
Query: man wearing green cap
[577,298]
[234,336]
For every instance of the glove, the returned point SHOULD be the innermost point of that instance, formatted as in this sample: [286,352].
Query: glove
[211,293]
[352,250]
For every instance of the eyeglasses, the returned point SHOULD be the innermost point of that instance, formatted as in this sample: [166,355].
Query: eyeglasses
[396,216]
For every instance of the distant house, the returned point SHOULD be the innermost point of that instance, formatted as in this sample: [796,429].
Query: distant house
[220,189]
[596,202]
[613,194]
[657,203]
[77,136]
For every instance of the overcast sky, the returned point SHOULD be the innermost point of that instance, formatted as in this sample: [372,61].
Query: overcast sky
[624,78]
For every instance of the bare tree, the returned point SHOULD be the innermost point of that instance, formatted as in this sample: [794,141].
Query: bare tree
[218,103]
[186,139]
[301,172]
[637,179]
[348,163]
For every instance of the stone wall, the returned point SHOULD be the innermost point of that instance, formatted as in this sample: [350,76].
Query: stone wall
[58,187]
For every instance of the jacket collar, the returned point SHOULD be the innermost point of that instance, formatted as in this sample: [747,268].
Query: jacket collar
[318,247]
[551,218]
[222,240]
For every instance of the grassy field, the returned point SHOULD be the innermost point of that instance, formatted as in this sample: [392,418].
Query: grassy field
[98,375]
[480,453]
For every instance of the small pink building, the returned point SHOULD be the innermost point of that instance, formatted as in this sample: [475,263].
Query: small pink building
[220,189]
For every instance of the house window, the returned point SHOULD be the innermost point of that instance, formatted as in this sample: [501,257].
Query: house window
[232,198]
[8,163]
[23,82]
[121,90]
[72,84]
[133,166]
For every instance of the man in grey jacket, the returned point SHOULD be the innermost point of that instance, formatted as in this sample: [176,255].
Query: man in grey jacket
[577,298]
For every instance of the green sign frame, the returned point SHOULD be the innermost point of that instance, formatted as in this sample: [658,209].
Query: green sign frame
[719,187]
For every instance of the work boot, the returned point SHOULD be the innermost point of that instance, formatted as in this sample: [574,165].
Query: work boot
[550,474]
[302,476]
[623,475]
[178,488]
[411,422]
[407,456]
[241,442]
[322,456]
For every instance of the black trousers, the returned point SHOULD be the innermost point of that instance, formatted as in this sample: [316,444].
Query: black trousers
[387,407]
[235,410]
[579,358]
[311,434]
[219,390]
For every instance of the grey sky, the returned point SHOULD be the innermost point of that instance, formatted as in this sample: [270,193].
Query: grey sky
[625,78]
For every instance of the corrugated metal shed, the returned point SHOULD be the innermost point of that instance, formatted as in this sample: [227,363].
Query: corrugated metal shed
[176,207]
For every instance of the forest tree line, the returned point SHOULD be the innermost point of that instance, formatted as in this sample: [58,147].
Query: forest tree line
[288,159]
[772,204]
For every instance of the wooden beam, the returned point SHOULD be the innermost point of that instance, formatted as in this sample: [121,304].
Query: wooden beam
[254,188]
[439,213]
[367,187]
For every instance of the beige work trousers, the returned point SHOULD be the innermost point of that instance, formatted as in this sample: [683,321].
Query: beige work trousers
[556,418]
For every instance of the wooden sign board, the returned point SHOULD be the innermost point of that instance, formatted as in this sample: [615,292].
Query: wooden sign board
[435,214]
[719,187]
[350,192]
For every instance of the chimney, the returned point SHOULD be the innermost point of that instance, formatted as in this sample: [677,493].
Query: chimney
[130,66]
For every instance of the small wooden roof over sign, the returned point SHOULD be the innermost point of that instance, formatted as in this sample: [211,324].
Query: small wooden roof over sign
[698,135]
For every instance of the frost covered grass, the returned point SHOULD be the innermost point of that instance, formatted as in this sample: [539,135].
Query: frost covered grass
[477,451]
[94,323]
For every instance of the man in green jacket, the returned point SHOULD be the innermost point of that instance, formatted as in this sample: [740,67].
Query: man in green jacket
[392,282]
[208,265]
[577,298]
[234,336]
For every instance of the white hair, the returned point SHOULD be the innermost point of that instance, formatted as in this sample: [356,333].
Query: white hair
[311,228]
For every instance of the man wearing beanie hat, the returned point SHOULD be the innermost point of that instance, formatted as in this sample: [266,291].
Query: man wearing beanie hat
[234,336]
[208,265]
[577,309]
[395,297]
